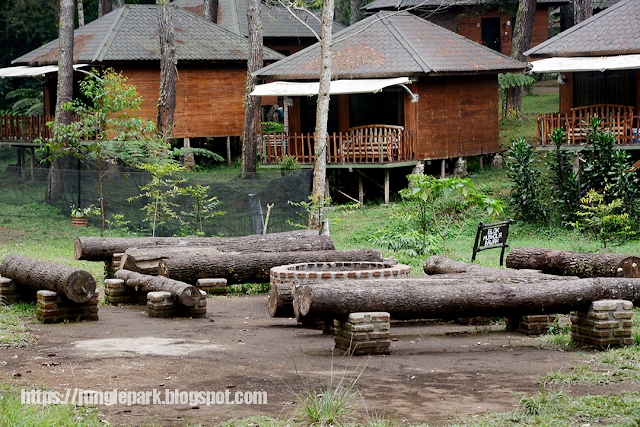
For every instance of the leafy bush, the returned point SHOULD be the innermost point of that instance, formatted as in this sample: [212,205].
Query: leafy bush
[565,186]
[289,163]
[525,177]
[272,127]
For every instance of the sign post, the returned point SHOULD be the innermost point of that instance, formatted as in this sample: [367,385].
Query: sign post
[492,236]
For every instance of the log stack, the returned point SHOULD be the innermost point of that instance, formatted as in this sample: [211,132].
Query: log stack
[184,293]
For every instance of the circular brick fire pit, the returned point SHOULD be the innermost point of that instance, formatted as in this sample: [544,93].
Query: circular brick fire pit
[282,278]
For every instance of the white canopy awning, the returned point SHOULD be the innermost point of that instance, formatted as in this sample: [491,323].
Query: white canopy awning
[338,87]
[25,71]
[596,63]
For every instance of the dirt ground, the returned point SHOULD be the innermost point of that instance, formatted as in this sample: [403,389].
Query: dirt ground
[434,370]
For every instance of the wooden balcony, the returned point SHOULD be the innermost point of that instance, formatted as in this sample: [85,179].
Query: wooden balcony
[371,144]
[619,120]
[24,129]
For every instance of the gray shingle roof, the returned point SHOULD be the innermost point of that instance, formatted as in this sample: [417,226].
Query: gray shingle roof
[130,33]
[276,20]
[391,45]
[614,31]
[377,5]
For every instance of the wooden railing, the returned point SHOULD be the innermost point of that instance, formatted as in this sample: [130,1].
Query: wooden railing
[364,144]
[24,128]
[624,125]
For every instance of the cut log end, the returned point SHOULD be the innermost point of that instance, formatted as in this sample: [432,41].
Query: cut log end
[189,297]
[80,286]
[77,248]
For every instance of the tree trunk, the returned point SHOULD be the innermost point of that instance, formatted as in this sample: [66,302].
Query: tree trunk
[322,111]
[252,104]
[462,300]
[184,293]
[168,71]
[355,11]
[582,10]
[65,90]
[253,267]
[579,264]
[210,11]
[77,285]
[80,13]
[281,300]
[520,43]
[103,248]
[104,7]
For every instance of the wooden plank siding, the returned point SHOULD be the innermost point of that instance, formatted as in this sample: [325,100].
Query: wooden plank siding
[457,116]
[469,25]
[209,97]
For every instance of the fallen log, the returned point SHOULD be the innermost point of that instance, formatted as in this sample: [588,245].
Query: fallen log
[442,267]
[77,285]
[253,267]
[416,301]
[184,293]
[147,260]
[581,264]
[103,248]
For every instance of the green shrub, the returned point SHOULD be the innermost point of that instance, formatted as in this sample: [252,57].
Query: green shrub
[525,177]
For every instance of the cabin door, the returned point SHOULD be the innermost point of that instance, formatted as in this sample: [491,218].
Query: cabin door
[491,33]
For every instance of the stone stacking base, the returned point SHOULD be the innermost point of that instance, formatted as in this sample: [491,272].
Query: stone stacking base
[11,294]
[162,304]
[213,286]
[54,308]
[363,333]
[532,324]
[607,323]
[110,267]
[115,292]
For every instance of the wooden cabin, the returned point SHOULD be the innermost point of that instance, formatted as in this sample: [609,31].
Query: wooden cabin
[280,31]
[404,90]
[212,66]
[447,108]
[598,72]
[485,22]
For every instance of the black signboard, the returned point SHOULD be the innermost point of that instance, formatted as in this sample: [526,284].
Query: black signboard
[492,236]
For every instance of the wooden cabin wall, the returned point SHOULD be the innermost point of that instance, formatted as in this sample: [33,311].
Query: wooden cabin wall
[637,91]
[343,113]
[411,110]
[457,116]
[565,92]
[209,101]
[469,25]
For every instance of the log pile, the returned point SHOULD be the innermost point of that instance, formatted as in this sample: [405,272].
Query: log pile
[103,248]
[253,267]
[77,285]
[567,263]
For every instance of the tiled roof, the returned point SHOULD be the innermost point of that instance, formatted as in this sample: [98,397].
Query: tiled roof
[130,33]
[392,45]
[377,5]
[276,20]
[614,31]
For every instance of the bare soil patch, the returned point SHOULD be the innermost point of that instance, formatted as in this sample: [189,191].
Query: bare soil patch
[434,370]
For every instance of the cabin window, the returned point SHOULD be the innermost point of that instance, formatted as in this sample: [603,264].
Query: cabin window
[308,114]
[610,87]
[384,108]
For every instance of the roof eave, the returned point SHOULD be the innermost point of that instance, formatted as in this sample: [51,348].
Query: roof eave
[584,54]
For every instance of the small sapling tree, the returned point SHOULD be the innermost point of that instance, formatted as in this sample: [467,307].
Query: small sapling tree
[203,206]
[602,220]
[447,205]
[105,128]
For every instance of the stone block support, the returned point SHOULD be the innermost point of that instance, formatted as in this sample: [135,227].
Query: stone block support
[162,304]
[115,292]
[607,323]
[11,294]
[54,308]
[363,333]
[113,265]
[213,286]
[531,324]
